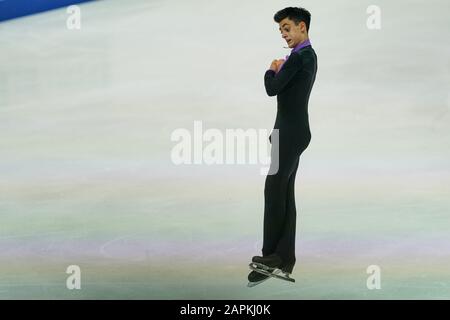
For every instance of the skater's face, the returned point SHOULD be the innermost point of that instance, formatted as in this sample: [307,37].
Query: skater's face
[292,33]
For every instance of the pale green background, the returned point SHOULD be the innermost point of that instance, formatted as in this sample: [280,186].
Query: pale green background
[86,176]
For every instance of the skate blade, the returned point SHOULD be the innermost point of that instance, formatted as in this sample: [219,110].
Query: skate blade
[261,266]
[274,274]
[252,284]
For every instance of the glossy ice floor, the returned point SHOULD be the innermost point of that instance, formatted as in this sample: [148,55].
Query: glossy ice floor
[86,176]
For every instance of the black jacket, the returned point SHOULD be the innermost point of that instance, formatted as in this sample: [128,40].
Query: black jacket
[292,85]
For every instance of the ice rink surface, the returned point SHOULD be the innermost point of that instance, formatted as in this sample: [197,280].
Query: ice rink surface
[86,176]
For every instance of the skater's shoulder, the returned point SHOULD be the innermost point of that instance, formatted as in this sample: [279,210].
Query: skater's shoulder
[306,53]
[307,56]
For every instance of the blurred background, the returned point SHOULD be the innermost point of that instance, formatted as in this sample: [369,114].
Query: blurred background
[86,176]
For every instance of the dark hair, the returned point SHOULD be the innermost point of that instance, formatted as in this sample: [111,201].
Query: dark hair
[295,14]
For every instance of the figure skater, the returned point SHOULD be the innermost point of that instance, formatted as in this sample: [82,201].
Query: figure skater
[291,80]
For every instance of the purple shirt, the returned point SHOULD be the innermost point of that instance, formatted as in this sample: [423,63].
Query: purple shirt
[297,47]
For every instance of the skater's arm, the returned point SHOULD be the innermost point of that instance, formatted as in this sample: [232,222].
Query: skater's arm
[275,82]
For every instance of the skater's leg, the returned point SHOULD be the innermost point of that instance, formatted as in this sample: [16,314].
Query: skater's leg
[275,197]
[286,245]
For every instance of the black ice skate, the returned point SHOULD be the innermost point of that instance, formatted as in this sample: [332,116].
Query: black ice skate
[255,278]
[269,266]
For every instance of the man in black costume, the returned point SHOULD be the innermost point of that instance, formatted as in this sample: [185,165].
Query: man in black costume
[291,80]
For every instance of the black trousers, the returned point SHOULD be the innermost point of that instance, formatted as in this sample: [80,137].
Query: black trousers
[280,215]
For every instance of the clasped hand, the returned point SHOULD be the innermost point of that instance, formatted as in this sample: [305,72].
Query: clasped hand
[276,64]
